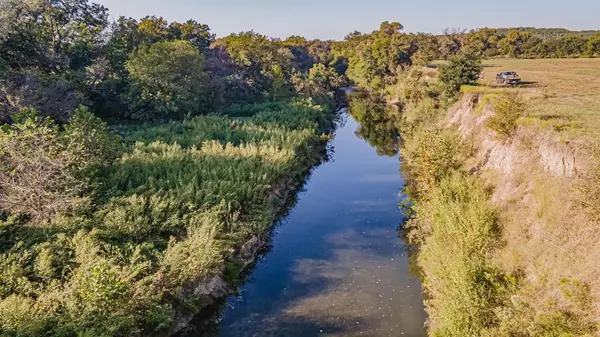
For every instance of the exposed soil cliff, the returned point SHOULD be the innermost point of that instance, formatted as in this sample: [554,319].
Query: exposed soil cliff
[558,157]
[548,240]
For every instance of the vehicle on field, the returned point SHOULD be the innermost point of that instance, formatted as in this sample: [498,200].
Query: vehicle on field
[508,77]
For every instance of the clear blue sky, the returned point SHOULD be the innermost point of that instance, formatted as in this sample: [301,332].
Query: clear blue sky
[333,19]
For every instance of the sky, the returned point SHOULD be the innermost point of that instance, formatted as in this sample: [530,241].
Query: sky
[334,19]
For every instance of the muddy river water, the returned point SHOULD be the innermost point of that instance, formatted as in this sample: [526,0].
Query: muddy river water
[337,266]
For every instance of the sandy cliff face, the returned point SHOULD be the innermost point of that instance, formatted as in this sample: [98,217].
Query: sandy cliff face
[547,237]
[555,156]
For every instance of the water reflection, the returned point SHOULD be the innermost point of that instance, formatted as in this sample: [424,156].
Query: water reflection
[337,266]
[378,124]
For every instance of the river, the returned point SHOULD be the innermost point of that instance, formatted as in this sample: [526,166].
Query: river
[337,266]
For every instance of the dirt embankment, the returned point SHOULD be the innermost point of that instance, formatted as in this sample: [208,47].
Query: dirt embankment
[558,157]
[547,237]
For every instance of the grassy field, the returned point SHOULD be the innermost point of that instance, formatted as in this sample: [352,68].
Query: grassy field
[564,93]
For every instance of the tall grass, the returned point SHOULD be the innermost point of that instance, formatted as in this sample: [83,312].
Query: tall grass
[458,229]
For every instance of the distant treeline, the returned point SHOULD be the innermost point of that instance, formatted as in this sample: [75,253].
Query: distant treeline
[524,42]
[55,56]
[376,60]
[549,33]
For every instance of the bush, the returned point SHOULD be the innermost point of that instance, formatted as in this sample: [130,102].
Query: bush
[458,229]
[42,168]
[319,84]
[460,70]
[35,168]
[508,108]
[429,155]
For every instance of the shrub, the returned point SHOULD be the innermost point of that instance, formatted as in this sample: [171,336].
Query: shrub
[101,302]
[458,229]
[42,168]
[89,141]
[35,174]
[508,108]
[429,155]
[460,70]
[19,316]
[199,255]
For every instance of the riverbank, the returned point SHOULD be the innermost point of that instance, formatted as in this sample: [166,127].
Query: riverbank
[504,231]
[335,265]
[171,224]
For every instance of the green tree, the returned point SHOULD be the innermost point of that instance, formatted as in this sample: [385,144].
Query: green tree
[592,48]
[320,83]
[378,58]
[264,64]
[153,29]
[460,70]
[428,49]
[51,35]
[125,37]
[482,42]
[168,81]
[571,46]
[513,44]
[197,34]
[451,42]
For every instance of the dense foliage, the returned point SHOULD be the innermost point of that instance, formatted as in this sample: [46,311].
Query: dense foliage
[110,242]
[378,60]
[460,70]
[57,55]
[508,108]
[166,78]
[107,231]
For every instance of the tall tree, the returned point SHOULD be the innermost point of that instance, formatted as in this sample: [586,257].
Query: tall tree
[168,81]
[197,34]
[513,43]
[51,34]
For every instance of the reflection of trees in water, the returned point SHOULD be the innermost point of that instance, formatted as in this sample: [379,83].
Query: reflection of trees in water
[378,124]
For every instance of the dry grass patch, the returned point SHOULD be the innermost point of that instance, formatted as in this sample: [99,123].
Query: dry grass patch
[565,92]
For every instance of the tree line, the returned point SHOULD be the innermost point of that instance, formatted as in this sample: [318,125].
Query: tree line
[57,55]
[375,60]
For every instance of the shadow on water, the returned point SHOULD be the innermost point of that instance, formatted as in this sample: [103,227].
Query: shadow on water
[335,265]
